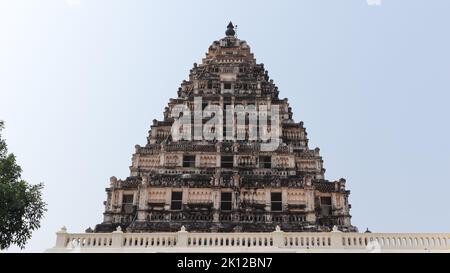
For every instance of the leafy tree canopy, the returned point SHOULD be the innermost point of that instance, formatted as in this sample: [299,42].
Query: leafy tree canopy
[21,204]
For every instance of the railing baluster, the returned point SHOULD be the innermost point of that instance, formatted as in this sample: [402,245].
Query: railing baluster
[292,240]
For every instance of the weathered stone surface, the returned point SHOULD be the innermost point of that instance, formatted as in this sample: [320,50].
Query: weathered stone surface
[181,183]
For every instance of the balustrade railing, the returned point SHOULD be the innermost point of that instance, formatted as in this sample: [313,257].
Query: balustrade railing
[278,240]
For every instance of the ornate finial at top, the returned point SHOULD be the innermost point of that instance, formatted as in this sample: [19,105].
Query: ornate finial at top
[230,30]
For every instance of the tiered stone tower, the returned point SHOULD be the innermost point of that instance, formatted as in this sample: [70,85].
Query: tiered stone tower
[225,185]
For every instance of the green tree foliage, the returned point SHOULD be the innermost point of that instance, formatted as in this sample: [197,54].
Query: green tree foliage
[21,205]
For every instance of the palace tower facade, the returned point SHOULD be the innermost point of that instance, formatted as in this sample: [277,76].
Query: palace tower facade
[223,185]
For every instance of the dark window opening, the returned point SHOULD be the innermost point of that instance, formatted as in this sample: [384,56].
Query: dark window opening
[177,200]
[189,161]
[224,132]
[226,127]
[227,161]
[325,204]
[265,162]
[227,86]
[127,199]
[226,203]
[276,203]
[325,201]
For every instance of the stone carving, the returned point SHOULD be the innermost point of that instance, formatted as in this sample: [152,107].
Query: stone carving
[214,185]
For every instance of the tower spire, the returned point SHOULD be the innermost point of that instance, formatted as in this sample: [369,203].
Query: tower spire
[230,30]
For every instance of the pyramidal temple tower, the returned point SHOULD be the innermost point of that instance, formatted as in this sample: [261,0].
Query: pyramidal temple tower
[213,173]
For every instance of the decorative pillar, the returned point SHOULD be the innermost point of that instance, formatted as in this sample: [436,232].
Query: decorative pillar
[215,195]
[182,237]
[336,238]
[168,198]
[267,199]
[278,237]
[143,199]
[185,197]
[117,238]
[284,198]
[61,238]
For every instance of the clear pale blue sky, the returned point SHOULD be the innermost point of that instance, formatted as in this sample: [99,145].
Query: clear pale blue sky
[81,81]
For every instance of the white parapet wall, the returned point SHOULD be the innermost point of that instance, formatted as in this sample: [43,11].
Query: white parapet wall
[277,241]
